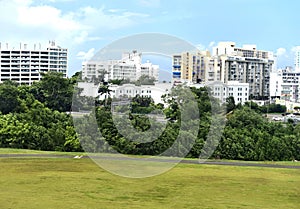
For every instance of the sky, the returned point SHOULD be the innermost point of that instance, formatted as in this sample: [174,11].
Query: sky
[85,27]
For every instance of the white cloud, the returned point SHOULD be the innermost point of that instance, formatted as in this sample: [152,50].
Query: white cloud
[46,16]
[86,55]
[55,1]
[108,20]
[295,48]
[26,20]
[149,3]
[200,47]
[281,52]
[212,44]
[38,21]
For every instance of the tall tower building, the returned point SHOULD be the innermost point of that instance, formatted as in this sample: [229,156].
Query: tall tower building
[245,64]
[26,66]
[190,67]
[227,63]
[297,58]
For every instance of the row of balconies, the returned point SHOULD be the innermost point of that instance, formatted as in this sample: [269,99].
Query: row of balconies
[58,53]
[16,76]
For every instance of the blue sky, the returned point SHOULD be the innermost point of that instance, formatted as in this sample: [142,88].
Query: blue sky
[84,27]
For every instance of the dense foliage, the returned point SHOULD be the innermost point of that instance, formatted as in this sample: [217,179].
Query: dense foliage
[36,117]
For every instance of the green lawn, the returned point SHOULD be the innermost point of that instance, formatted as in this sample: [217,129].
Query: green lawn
[79,183]
[26,151]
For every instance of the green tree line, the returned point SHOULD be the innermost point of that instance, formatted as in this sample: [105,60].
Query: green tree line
[36,117]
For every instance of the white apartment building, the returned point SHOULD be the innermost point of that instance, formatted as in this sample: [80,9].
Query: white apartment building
[239,91]
[245,64]
[285,85]
[25,65]
[297,58]
[129,67]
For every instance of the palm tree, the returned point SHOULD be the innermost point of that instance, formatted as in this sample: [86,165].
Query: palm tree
[104,89]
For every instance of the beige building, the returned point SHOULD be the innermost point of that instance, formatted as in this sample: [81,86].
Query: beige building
[190,67]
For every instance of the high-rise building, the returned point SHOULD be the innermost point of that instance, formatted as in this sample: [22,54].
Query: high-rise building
[243,64]
[129,67]
[190,67]
[246,65]
[297,58]
[285,85]
[26,66]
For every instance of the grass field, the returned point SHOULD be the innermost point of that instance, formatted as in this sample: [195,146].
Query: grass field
[79,183]
[25,151]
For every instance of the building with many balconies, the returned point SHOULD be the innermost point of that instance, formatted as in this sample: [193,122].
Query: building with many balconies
[285,85]
[25,66]
[129,67]
[227,63]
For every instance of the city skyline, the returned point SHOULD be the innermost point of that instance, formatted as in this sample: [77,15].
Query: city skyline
[86,27]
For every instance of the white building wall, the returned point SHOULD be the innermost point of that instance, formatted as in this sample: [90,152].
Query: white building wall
[128,67]
[25,65]
[88,89]
[285,84]
[131,90]
[240,91]
[297,58]
[275,84]
[221,91]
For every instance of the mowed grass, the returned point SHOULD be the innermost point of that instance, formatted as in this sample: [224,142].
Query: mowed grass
[38,152]
[79,183]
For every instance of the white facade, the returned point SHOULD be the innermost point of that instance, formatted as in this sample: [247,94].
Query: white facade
[297,58]
[129,67]
[25,66]
[239,91]
[285,85]
[245,64]
[88,89]
[131,90]
[247,50]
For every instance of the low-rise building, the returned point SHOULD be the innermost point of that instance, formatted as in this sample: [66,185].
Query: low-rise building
[239,91]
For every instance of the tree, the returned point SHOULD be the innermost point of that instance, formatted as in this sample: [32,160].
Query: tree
[54,91]
[9,97]
[104,90]
[145,80]
[230,104]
